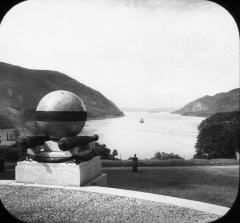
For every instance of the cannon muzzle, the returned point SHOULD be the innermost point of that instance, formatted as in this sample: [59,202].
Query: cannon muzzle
[68,143]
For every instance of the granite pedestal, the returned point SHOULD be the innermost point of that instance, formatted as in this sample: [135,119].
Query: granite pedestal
[61,174]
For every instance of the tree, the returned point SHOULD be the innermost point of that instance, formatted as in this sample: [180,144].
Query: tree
[114,153]
[166,156]
[6,122]
[218,136]
[12,152]
[102,150]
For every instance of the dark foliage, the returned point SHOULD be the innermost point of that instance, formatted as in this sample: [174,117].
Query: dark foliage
[166,156]
[104,152]
[218,136]
[6,122]
[114,153]
[11,153]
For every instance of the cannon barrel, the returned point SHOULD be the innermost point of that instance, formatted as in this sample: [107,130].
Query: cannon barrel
[32,141]
[68,143]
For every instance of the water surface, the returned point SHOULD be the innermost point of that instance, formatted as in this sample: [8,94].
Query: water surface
[162,131]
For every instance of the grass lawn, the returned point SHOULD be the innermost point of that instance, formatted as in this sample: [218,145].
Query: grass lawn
[212,184]
[172,162]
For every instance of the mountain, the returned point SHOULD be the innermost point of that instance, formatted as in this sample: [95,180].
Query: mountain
[209,105]
[21,89]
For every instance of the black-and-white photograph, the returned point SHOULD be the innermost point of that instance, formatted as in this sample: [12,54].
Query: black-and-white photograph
[119,111]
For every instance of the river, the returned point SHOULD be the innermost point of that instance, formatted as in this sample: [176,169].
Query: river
[161,131]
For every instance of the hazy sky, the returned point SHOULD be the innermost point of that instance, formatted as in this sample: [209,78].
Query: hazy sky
[141,53]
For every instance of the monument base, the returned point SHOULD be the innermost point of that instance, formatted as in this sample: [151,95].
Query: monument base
[61,174]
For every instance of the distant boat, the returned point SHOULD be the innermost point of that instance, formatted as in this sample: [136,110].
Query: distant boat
[141,120]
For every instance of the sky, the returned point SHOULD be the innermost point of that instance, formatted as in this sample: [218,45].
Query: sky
[138,53]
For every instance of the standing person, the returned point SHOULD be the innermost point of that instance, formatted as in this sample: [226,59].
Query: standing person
[135,163]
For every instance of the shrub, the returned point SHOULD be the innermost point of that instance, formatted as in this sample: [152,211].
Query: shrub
[11,153]
[166,156]
[6,122]
[104,152]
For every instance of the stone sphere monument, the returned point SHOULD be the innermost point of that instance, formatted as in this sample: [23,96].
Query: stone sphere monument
[60,117]
[61,114]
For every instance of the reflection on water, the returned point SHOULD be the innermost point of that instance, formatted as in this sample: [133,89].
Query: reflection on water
[163,132]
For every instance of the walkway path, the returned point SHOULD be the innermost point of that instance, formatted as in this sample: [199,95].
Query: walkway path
[42,195]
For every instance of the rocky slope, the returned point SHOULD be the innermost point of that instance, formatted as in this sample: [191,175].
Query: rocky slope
[209,105]
[21,89]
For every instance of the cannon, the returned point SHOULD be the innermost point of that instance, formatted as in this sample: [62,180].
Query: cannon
[31,141]
[68,143]
[60,117]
